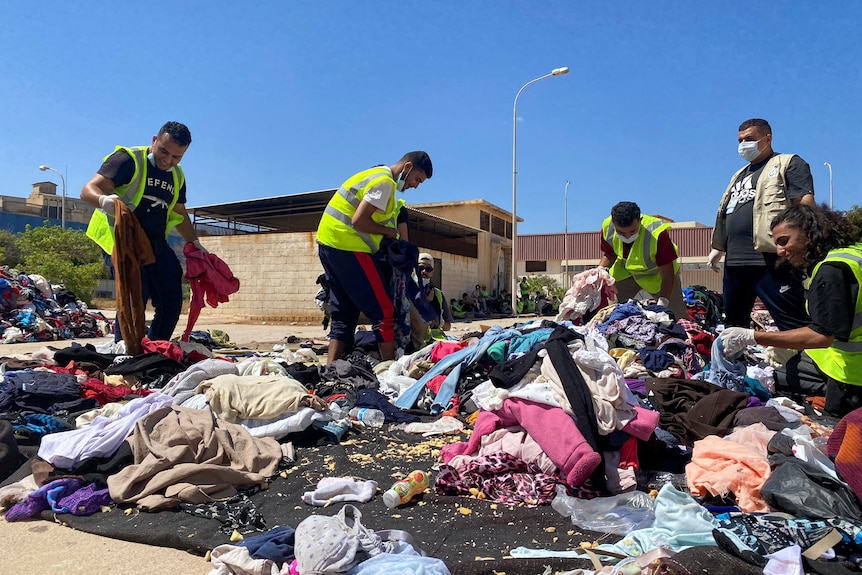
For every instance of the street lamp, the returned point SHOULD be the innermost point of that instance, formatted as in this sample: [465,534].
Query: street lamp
[515,290]
[828,165]
[566,234]
[63,205]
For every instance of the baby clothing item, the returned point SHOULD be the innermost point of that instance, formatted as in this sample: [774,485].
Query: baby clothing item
[336,544]
[340,489]
[446,425]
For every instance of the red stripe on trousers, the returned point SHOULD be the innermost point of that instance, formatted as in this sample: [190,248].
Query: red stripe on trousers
[387,322]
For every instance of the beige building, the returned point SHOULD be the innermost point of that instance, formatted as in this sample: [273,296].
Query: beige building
[46,203]
[494,225]
[270,246]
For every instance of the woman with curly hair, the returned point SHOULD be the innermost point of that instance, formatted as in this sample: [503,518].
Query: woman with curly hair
[820,244]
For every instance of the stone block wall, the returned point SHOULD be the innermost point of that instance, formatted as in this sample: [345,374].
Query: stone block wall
[277,274]
[459,274]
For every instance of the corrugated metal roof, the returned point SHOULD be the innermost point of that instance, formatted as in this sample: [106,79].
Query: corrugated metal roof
[301,213]
[692,242]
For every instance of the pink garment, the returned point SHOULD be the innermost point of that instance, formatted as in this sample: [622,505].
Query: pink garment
[643,424]
[551,427]
[211,281]
[591,290]
[737,464]
[514,441]
[443,348]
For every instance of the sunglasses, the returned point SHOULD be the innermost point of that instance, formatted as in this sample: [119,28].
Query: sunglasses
[426,269]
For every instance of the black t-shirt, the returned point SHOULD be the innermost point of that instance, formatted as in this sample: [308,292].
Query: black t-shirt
[832,299]
[740,208]
[158,192]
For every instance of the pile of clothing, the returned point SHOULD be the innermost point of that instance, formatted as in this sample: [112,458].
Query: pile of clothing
[33,310]
[627,399]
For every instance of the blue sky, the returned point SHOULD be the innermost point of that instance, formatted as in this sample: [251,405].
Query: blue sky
[289,96]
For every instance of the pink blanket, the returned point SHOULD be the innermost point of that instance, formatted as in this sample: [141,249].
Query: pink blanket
[551,427]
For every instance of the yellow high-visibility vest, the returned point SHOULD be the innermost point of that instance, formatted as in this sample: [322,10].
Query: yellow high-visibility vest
[336,225]
[842,360]
[101,227]
[640,263]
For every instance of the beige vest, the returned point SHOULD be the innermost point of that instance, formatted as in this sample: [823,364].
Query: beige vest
[770,199]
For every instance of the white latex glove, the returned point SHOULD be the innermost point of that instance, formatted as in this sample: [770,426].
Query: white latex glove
[200,246]
[664,302]
[107,203]
[735,339]
[714,258]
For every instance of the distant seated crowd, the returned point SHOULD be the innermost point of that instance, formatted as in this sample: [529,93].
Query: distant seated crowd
[481,302]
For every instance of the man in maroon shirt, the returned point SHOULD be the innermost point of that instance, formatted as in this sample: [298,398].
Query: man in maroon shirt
[639,255]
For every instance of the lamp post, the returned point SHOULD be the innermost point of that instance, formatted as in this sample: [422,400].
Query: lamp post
[566,234]
[63,204]
[515,290]
[828,165]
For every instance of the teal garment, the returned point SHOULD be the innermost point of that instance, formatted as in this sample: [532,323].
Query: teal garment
[497,351]
[680,523]
[525,343]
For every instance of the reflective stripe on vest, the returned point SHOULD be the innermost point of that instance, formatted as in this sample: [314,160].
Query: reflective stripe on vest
[348,221]
[856,258]
[353,199]
[101,228]
[641,258]
[646,252]
[842,360]
[336,225]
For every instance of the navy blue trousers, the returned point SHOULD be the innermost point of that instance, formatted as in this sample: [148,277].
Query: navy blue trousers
[780,292]
[358,283]
[161,284]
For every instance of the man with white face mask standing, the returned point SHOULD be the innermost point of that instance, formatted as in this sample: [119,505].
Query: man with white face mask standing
[757,193]
[639,255]
[362,212]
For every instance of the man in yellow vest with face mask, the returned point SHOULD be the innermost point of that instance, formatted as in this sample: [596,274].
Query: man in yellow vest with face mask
[639,255]
[360,214]
[151,182]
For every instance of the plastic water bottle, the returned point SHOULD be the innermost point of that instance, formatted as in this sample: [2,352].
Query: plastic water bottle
[367,416]
[403,491]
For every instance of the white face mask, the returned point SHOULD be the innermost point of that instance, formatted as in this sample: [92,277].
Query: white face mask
[631,239]
[152,160]
[749,150]
[402,177]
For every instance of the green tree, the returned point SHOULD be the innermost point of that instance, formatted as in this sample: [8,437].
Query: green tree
[9,254]
[64,256]
[545,284]
[854,214]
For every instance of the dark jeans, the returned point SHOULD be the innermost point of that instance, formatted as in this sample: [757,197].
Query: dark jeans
[801,376]
[780,292]
[161,283]
[358,283]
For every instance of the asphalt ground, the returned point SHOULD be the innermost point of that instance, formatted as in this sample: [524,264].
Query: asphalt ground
[36,547]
